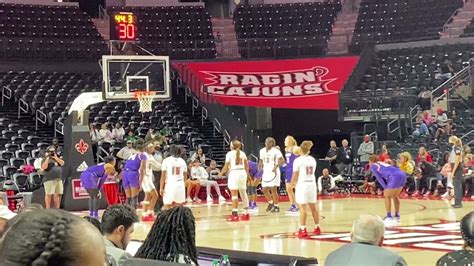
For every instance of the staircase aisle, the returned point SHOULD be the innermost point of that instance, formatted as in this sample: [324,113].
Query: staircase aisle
[342,32]
[460,21]
[226,45]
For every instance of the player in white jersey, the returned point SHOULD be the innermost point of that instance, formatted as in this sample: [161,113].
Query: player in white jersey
[270,161]
[304,181]
[174,172]
[148,185]
[237,167]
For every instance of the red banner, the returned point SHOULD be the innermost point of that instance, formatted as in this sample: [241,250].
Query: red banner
[294,84]
[78,191]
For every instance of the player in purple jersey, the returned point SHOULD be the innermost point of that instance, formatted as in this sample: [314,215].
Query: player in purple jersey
[133,172]
[256,177]
[290,156]
[93,178]
[392,179]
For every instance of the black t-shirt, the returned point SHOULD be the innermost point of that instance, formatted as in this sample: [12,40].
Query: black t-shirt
[344,155]
[53,172]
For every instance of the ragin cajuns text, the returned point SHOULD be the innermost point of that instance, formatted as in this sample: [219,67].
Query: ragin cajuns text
[289,83]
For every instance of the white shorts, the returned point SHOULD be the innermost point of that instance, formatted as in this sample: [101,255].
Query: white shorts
[305,193]
[147,184]
[174,193]
[271,179]
[237,180]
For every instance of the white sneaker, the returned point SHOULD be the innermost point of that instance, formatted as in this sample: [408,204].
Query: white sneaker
[209,199]
[388,221]
[445,195]
[222,199]
[189,200]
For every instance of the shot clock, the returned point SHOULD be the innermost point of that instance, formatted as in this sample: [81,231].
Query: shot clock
[123,27]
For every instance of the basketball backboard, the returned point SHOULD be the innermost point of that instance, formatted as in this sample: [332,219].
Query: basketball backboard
[124,74]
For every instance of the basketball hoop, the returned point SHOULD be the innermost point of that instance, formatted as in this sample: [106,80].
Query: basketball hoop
[145,98]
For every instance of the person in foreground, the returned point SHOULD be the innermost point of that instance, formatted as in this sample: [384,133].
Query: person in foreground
[466,255]
[304,181]
[392,179]
[366,247]
[51,237]
[171,238]
[117,226]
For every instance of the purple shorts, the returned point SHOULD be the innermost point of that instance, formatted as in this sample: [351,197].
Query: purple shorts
[130,179]
[396,181]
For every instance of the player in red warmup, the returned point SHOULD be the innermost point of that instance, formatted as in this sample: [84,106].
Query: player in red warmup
[304,181]
[237,167]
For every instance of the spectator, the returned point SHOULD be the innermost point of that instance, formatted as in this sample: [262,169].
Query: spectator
[171,241]
[199,155]
[425,123]
[132,128]
[446,71]
[331,156]
[366,148]
[58,149]
[106,134]
[127,151]
[326,184]
[406,164]
[447,173]
[428,173]
[384,155]
[344,158]
[456,161]
[198,172]
[423,155]
[192,183]
[366,247]
[3,226]
[152,136]
[51,237]
[424,98]
[466,255]
[118,132]
[131,135]
[213,171]
[117,226]
[52,178]
[443,124]
[94,133]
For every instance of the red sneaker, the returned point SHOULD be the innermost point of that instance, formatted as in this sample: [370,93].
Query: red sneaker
[415,194]
[233,218]
[317,231]
[302,233]
[245,217]
[148,218]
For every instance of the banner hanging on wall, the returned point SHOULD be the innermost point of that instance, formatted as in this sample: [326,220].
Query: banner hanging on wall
[294,84]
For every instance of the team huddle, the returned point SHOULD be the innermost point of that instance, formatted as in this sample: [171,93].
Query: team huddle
[243,177]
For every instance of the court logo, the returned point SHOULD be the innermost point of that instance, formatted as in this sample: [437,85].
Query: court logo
[289,84]
[443,236]
[81,147]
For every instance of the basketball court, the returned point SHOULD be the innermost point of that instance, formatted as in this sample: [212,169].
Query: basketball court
[428,229]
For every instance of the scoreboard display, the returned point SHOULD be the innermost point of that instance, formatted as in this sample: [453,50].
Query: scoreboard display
[123,27]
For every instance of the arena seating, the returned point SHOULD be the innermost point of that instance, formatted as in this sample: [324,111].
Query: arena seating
[391,21]
[469,30]
[284,30]
[402,72]
[183,32]
[36,32]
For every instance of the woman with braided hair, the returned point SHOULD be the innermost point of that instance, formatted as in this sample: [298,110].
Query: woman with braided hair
[466,255]
[171,238]
[51,237]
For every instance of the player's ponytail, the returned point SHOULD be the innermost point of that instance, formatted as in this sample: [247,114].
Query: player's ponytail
[237,146]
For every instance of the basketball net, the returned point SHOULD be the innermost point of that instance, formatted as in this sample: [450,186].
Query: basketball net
[145,98]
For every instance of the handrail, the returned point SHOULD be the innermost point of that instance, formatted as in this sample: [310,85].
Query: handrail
[194,105]
[187,94]
[22,107]
[5,95]
[467,134]
[101,150]
[449,84]
[103,13]
[204,114]
[41,117]
[227,139]
[449,19]
[58,128]
[252,156]
[414,116]
[217,126]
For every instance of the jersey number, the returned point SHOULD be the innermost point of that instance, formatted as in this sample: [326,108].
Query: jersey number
[309,170]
